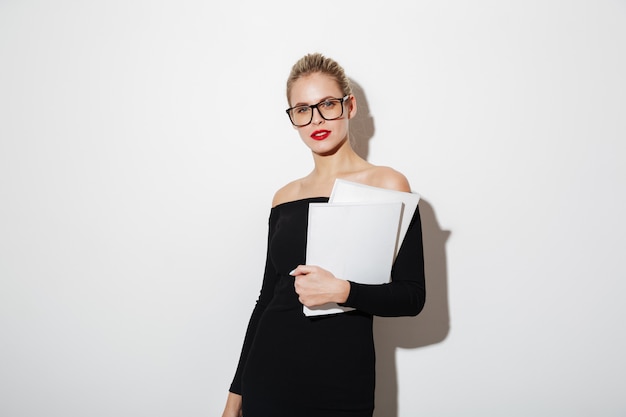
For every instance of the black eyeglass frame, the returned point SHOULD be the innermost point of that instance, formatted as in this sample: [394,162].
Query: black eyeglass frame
[315,106]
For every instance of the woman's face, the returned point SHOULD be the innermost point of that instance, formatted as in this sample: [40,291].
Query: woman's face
[322,136]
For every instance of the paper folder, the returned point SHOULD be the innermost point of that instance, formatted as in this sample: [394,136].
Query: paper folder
[353,192]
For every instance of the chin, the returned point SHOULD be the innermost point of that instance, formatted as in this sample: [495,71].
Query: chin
[326,148]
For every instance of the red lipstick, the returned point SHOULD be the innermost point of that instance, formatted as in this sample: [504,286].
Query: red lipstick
[320,134]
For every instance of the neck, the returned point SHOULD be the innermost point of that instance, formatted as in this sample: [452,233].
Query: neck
[331,166]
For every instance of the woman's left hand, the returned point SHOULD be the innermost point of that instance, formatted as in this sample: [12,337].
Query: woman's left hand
[316,286]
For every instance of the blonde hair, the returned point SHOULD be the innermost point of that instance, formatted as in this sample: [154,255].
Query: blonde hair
[318,63]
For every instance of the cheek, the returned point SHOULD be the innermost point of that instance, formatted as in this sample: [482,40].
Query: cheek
[303,133]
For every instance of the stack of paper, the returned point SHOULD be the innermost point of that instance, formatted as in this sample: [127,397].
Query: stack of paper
[357,234]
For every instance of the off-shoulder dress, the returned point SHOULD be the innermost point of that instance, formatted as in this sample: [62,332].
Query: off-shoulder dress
[297,366]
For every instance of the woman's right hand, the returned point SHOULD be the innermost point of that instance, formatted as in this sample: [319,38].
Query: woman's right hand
[233,406]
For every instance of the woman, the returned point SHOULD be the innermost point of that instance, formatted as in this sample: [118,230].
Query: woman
[297,366]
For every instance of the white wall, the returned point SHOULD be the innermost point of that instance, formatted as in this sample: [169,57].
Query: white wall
[141,142]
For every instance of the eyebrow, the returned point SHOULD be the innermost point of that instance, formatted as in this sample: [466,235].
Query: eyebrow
[321,101]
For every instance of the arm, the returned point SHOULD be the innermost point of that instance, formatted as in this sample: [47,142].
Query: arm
[267,292]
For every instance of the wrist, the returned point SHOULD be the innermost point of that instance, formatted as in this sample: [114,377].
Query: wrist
[344,291]
[233,402]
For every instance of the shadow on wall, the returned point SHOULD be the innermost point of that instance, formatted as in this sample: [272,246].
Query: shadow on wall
[362,126]
[432,325]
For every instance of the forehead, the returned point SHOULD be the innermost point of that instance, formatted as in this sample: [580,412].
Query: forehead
[313,88]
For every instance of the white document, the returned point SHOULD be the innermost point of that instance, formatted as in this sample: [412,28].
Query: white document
[353,192]
[354,241]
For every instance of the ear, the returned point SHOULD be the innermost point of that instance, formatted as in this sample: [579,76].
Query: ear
[351,106]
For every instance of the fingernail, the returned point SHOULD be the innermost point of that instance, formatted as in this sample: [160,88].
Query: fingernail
[292,272]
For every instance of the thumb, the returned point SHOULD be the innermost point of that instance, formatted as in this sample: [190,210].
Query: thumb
[300,270]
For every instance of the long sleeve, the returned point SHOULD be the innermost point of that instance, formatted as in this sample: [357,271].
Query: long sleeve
[406,293]
[270,277]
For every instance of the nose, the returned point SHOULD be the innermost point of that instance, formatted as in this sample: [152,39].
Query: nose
[317,120]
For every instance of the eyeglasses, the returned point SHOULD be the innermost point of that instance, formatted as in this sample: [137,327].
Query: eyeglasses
[329,109]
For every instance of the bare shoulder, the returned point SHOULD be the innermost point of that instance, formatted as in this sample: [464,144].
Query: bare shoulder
[386,177]
[287,193]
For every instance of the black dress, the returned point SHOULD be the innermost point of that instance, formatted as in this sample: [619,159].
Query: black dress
[297,366]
